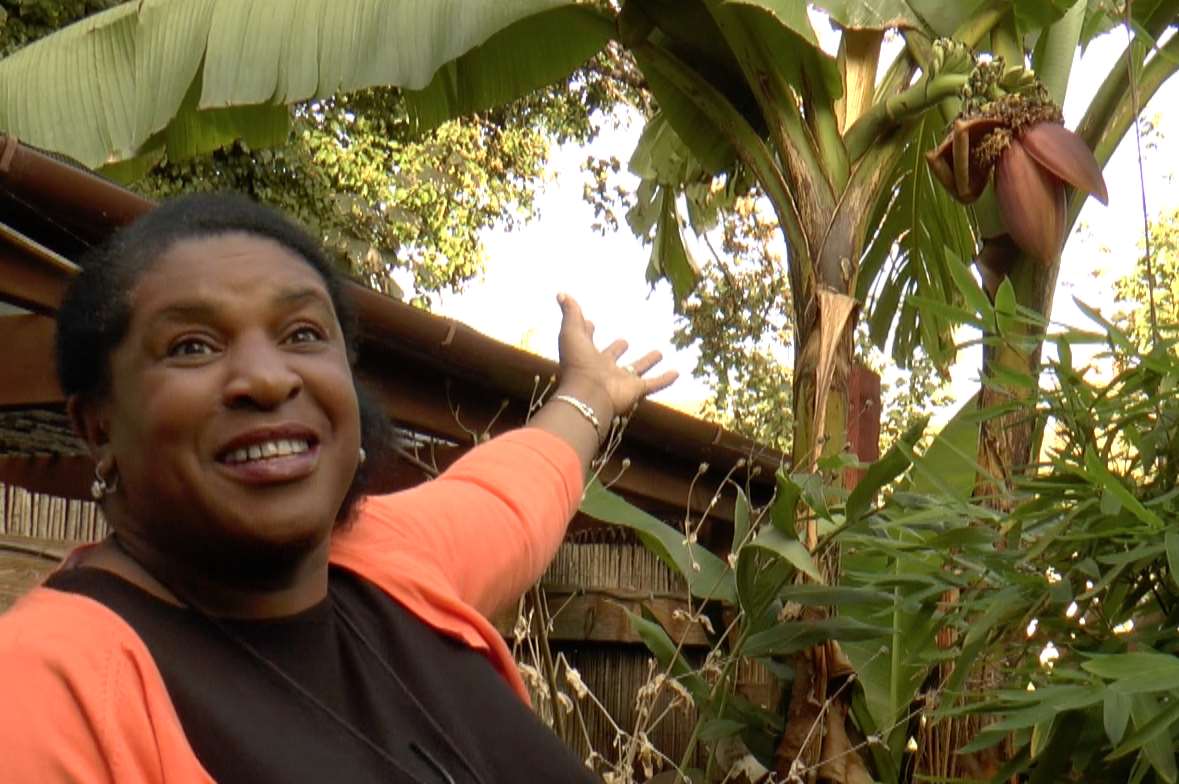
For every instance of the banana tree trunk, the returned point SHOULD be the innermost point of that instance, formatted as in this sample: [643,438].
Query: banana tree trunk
[1007,440]
[1006,451]
[815,733]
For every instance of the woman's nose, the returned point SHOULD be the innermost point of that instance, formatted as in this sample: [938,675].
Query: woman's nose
[260,375]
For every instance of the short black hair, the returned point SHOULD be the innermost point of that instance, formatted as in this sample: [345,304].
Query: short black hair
[95,312]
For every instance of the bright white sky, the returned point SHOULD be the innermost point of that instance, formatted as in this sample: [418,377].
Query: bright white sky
[515,300]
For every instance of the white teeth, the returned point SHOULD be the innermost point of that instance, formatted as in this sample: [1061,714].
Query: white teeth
[278,448]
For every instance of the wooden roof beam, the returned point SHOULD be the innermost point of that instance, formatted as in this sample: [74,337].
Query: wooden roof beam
[31,275]
[27,377]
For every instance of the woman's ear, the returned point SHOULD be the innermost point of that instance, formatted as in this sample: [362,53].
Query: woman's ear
[90,423]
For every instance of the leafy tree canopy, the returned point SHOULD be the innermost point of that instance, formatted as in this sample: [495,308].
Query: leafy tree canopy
[1159,277]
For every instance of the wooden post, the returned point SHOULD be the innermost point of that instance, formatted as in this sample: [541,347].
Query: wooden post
[863,425]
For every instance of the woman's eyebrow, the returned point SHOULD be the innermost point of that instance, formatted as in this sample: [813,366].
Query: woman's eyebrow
[205,310]
[195,310]
[295,297]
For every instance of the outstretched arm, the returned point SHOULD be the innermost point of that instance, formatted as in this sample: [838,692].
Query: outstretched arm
[490,524]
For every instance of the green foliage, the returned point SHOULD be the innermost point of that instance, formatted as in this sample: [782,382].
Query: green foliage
[1070,600]
[389,203]
[1086,557]
[1159,277]
[738,318]
[705,573]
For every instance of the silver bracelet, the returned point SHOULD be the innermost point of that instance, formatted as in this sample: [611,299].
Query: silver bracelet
[584,409]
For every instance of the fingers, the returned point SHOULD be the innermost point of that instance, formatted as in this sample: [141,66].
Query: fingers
[660,382]
[645,362]
[616,349]
[571,315]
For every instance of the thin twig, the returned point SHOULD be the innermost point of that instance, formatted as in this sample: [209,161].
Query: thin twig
[1150,281]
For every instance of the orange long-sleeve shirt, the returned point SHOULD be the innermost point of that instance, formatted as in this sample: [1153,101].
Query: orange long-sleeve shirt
[81,699]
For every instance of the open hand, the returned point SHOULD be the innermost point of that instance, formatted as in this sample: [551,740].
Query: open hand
[582,363]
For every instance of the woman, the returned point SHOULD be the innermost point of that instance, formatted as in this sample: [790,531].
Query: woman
[250,619]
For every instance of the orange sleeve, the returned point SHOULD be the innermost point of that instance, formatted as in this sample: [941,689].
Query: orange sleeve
[82,700]
[487,527]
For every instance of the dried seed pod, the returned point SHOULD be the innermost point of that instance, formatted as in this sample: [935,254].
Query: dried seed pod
[1032,203]
[1065,154]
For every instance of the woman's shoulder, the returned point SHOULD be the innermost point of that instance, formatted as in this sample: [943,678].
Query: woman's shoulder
[71,633]
[80,687]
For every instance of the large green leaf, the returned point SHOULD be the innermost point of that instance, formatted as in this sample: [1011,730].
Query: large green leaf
[760,578]
[1155,728]
[1115,714]
[784,509]
[873,14]
[952,457]
[880,473]
[1099,473]
[1031,16]
[141,59]
[668,653]
[531,53]
[1172,543]
[783,32]
[660,155]
[1137,672]
[788,13]
[670,257]
[787,547]
[1158,749]
[793,636]
[944,19]
[44,101]
[1046,703]
[708,577]
[193,131]
[706,141]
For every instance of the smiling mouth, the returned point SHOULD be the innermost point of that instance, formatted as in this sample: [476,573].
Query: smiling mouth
[267,450]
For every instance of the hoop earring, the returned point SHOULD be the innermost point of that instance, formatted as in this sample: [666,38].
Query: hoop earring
[100,488]
[363,456]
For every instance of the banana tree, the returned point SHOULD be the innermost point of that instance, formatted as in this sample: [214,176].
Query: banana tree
[745,95]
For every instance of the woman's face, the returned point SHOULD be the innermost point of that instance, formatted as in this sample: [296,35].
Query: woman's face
[232,417]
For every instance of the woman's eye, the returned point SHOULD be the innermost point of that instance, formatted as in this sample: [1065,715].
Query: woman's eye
[305,334]
[190,347]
